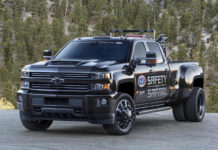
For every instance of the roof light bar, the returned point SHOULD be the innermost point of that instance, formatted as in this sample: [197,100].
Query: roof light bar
[140,31]
[139,36]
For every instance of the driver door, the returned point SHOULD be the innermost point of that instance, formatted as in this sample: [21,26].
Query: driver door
[151,83]
[140,73]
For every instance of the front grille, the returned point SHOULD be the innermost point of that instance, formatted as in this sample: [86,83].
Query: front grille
[59,81]
[62,75]
[62,86]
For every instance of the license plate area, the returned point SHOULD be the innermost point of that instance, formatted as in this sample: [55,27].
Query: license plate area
[56,101]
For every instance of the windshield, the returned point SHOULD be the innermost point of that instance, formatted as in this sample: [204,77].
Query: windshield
[98,50]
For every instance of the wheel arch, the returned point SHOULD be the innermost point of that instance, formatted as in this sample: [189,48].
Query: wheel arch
[127,87]
[198,82]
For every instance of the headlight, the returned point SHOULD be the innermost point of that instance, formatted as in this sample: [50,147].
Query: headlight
[24,74]
[101,76]
[25,84]
[25,71]
[99,87]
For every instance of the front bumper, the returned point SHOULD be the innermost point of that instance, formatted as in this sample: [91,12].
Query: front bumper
[33,106]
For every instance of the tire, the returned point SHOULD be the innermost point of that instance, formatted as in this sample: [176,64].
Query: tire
[179,111]
[195,105]
[124,116]
[39,125]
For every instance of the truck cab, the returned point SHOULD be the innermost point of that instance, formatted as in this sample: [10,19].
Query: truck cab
[109,80]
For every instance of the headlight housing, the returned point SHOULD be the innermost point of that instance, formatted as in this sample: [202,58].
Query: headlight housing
[99,87]
[25,84]
[25,71]
[101,76]
[24,74]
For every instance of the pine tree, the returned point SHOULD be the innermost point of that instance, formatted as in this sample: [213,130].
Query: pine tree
[7,52]
[128,11]
[182,54]
[202,60]
[58,32]
[117,6]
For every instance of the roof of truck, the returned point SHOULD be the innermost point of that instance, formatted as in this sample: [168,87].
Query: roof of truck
[109,38]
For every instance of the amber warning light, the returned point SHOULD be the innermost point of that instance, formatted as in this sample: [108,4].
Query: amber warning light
[153,61]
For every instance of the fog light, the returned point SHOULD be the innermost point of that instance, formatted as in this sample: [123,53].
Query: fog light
[19,98]
[103,101]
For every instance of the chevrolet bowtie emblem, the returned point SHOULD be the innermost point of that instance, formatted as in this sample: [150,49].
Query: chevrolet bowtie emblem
[57,81]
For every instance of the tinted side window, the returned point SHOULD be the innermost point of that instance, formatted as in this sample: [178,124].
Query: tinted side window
[140,50]
[153,46]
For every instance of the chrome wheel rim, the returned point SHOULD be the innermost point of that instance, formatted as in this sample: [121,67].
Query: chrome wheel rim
[125,115]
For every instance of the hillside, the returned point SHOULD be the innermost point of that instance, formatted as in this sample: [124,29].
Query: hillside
[27,27]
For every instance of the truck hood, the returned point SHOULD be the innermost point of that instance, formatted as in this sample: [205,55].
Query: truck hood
[56,66]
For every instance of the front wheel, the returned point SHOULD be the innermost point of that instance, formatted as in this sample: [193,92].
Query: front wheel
[195,105]
[38,125]
[124,116]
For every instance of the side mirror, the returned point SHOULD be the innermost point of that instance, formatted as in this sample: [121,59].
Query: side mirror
[128,69]
[150,59]
[133,63]
[47,55]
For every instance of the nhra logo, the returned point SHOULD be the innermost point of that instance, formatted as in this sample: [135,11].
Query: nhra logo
[141,81]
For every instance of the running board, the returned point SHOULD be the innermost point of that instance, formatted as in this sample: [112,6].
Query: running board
[152,110]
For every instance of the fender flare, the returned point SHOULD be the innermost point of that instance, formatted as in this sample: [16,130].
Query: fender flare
[187,75]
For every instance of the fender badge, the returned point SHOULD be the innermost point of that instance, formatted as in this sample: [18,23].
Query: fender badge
[141,81]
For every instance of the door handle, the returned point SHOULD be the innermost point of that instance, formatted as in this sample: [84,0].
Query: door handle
[166,69]
[150,70]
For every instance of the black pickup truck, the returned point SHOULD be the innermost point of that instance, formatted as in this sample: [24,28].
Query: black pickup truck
[109,80]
